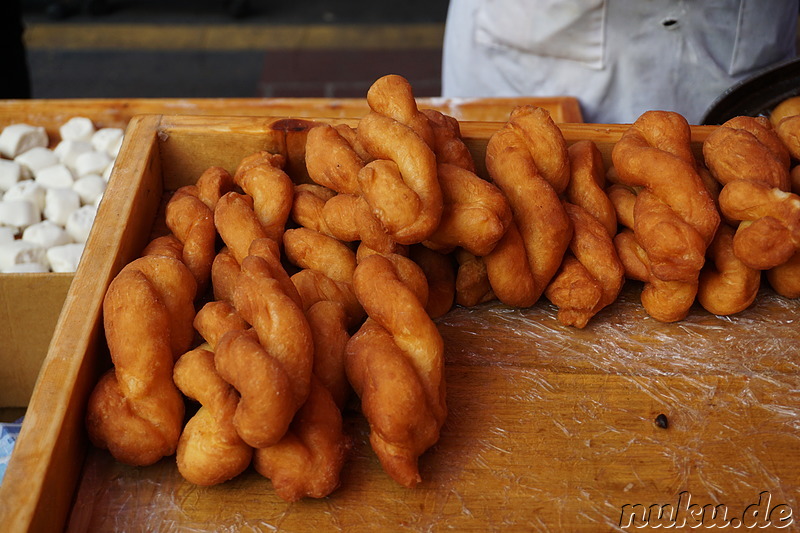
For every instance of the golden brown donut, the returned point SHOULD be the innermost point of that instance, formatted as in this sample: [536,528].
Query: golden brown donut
[309,201]
[401,186]
[307,461]
[210,450]
[327,270]
[261,176]
[747,148]
[212,185]
[785,278]
[769,233]
[666,301]
[726,285]
[237,224]
[329,327]
[675,217]
[224,272]
[587,183]
[448,145]
[135,410]
[440,272]
[167,245]
[393,97]
[787,108]
[623,199]
[527,159]
[475,213]
[331,160]
[215,319]
[591,277]
[192,222]
[395,363]
[270,366]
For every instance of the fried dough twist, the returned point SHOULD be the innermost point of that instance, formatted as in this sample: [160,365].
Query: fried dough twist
[395,363]
[400,185]
[270,365]
[192,222]
[261,177]
[591,275]
[210,450]
[327,267]
[749,159]
[527,159]
[135,410]
[674,218]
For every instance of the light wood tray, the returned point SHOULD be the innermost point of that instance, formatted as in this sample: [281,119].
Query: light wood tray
[550,428]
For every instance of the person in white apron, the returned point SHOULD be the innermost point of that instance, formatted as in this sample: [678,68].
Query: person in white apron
[619,58]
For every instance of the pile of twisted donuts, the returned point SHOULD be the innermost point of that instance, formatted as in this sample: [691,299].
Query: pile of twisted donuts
[306,292]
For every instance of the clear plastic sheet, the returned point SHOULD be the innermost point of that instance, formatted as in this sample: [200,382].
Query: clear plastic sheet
[550,429]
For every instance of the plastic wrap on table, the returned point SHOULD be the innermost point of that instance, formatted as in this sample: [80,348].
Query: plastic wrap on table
[550,428]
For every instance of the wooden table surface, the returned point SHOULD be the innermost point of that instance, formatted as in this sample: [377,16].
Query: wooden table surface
[550,429]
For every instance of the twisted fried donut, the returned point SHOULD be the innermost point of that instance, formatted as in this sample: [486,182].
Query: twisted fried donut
[401,186]
[393,97]
[586,184]
[331,160]
[212,185]
[726,285]
[192,222]
[448,145]
[747,148]
[167,245]
[209,450]
[666,301]
[528,160]
[327,270]
[674,216]
[135,410]
[215,319]
[395,363]
[237,224]
[308,459]
[261,176]
[270,365]
[785,278]
[591,277]
[475,213]
[328,321]
[769,233]
[784,119]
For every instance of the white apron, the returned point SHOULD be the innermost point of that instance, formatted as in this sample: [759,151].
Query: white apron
[620,58]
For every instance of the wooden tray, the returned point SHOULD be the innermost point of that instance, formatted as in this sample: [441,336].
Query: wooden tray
[116,112]
[550,428]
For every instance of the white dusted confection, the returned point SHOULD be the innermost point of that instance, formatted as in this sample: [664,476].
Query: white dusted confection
[113,151]
[65,258]
[27,268]
[77,129]
[59,204]
[19,251]
[79,223]
[6,234]
[10,173]
[19,213]
[18,138]
[46,234]
[27,190]
[36,159]
[91,163]
[56,176]
[89,188]
[107,140]
[69,150]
